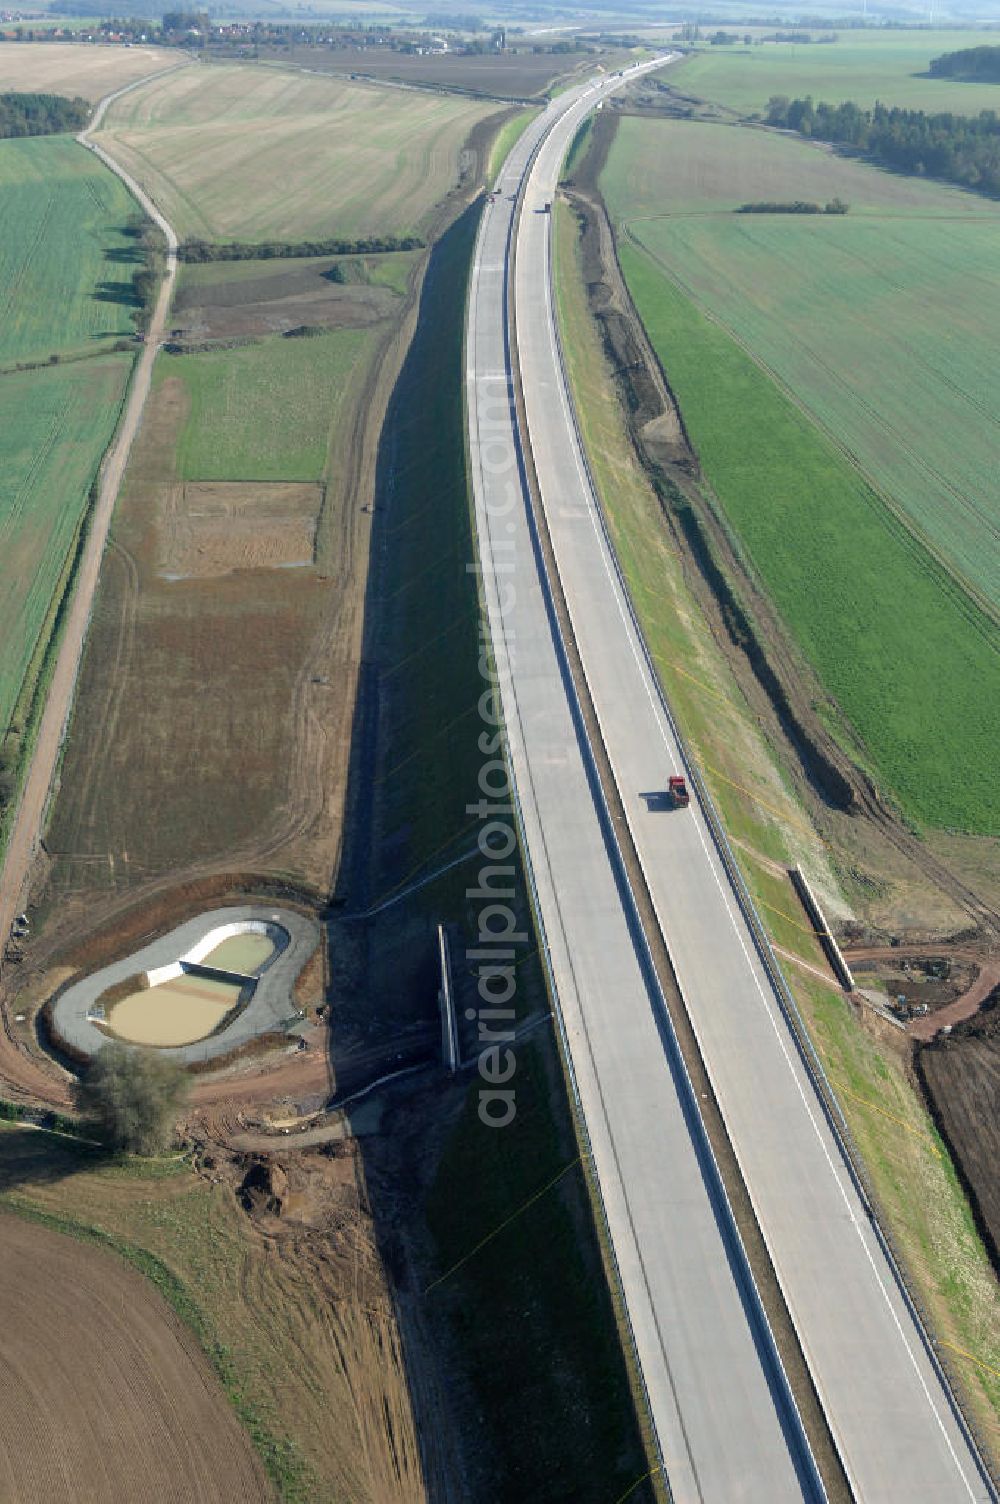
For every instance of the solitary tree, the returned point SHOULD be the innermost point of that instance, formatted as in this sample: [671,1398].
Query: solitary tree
[131,1098]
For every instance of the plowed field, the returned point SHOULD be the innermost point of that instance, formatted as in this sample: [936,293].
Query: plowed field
[103,1394]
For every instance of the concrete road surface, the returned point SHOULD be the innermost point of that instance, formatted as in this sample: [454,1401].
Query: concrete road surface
[723,1415]
[895,1425]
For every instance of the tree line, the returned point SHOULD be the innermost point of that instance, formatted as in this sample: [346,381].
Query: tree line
[794,206]
[40,115]
[971,63]
[269,250]
[962,149]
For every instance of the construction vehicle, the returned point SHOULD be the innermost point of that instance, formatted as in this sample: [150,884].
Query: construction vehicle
[678,791]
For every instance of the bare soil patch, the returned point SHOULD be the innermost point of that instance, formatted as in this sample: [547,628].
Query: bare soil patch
[276,302]
[510,75]
[211,528]
[104,1393]
[961,1075]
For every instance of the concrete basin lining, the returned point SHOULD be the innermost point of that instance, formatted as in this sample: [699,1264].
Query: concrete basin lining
[270,1005]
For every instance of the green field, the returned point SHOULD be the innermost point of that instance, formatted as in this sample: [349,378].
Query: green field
[54,427]
[66,264]
[914,264]
[212,144]
[863,66]
[264,411]
[900,652]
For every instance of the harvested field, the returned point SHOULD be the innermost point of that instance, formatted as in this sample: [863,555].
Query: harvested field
[199,672]
[77,67]
[510,75]
[351,159]
[288,1299]
[105,1395]
[215,527]
[228,299]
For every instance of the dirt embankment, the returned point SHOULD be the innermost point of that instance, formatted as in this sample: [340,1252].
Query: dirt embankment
[960,1073]
[104,1393]
[780,688]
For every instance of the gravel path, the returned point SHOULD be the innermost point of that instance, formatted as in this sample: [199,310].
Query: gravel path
[30,819]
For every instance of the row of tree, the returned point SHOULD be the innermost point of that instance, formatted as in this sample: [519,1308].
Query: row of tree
[982,63]
[270,250]
[794,206]
[961,149]
[40,114]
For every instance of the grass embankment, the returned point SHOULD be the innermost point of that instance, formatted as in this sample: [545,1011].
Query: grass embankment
[529,1312]
[914,1177]
[914,407]
[350,160]
[918,1189]
[886,632]
[890,66]
[506,139]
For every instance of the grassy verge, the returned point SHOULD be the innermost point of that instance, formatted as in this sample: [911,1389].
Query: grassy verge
[506,139]
[913,1175]
[921,1197]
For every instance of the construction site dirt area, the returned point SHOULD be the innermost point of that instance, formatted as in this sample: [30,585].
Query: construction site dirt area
[961,1075]
[215,684]
[177,1012]
[273,1264]
[104,1394]
[210,528]
[274,302]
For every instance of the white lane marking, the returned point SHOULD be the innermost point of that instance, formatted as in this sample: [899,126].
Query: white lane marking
[668,741]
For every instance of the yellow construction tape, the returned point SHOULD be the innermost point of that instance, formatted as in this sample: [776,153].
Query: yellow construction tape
[884,1112]
[971,1357]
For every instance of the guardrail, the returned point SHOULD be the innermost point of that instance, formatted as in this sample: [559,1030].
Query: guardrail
[832,1110]
[693,1113]
[544,947]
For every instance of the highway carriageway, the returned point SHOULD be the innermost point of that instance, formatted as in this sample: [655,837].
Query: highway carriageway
[726,1424]
[899,1434]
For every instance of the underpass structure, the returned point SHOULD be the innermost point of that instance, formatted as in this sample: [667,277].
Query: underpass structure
[897,1429]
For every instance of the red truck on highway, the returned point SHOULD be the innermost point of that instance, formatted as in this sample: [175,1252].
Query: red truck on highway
[678,790]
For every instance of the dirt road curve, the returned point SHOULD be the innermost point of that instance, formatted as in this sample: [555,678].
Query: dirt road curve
[104,1394]
[29,822]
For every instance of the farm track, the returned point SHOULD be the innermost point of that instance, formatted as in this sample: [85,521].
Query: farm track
[312,786]
[30,816]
